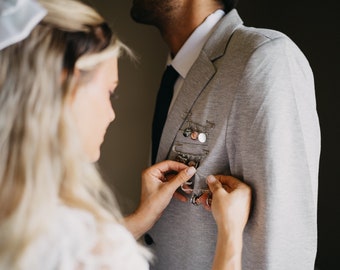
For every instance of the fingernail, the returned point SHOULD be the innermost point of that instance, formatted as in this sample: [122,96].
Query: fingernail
[191,171]
[211,179]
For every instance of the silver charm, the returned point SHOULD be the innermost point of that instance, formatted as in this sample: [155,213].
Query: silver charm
[187,132]
[196,131]
[202,137]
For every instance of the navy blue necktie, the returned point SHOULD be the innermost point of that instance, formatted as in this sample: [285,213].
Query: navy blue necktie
[163,101]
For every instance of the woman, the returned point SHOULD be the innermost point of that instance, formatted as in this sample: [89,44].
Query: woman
[58,69]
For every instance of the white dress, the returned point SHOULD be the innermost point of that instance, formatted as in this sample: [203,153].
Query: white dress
[75,241]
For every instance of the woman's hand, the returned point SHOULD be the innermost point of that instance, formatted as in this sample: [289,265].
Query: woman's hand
[230,206]
[156,193]
[231,200]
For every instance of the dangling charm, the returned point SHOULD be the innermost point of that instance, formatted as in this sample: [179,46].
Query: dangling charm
[194,135]
[202,137]
[187,132]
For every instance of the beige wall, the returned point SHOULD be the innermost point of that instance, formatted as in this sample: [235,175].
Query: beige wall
[125,152]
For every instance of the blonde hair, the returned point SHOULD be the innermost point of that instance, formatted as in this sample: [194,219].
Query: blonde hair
[41,161]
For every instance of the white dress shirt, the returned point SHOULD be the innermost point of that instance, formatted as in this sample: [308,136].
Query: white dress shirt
[191,49]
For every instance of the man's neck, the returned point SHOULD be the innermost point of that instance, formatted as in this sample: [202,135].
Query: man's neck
[175,32]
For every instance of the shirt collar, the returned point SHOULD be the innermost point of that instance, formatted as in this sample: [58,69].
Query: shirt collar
[191,49]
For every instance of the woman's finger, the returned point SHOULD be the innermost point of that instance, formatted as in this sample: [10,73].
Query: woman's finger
[213,183]
[182,177]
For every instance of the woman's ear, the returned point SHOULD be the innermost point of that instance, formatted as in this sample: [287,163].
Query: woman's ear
[73,84]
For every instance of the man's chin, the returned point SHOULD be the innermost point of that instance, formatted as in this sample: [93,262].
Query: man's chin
[139,17]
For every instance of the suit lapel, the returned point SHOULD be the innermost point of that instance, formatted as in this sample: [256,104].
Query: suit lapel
[218,42]
[194,83]
[198,77]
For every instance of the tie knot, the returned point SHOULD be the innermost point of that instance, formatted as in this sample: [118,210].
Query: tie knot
[170,74]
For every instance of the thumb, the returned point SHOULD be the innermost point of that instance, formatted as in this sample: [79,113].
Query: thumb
[230,183]
[213,183]
[182,177]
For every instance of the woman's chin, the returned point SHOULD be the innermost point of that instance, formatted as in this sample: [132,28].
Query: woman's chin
[94,157]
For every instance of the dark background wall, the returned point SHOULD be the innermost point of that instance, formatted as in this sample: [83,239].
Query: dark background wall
[313,25]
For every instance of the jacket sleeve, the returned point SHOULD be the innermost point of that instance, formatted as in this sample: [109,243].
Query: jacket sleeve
[274,140]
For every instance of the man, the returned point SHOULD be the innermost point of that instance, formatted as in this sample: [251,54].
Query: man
[243,105]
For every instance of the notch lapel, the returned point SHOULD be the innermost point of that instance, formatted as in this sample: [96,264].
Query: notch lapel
[193,85]
[198,77]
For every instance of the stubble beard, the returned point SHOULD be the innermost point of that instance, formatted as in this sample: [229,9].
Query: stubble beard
[155,12]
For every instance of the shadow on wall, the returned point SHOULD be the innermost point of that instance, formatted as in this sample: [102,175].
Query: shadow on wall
[125,151]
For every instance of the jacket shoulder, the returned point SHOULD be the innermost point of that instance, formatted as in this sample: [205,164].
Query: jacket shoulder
[256,37]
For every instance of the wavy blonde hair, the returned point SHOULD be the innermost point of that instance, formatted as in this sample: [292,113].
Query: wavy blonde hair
[41,161]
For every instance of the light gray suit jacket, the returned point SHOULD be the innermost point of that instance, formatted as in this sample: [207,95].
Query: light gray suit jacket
[251,91]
